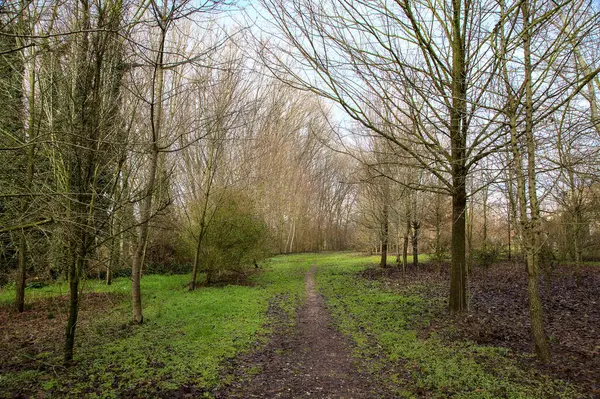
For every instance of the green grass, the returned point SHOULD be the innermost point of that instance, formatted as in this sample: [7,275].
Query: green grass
[383,324]
[188,336]
[32,295]
[185,338]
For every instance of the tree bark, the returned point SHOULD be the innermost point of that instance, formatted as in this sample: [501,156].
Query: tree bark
[415,243]
[138,255]
[535,308]
[405,246]
[22,273]
[31,133]
[458,126]
[156,111]
[77,265]
[458,277]
[198,252]
[384,233]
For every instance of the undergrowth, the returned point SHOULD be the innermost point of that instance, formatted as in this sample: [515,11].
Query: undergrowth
[185,338]
[384,327]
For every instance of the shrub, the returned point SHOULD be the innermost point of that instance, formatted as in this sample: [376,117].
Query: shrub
[235,239]
[486,255]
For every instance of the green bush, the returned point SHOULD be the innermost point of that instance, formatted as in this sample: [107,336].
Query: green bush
[235,241]
[36,284]
[486,255]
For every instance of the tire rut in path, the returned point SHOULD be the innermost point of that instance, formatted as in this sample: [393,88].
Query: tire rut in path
[312,361]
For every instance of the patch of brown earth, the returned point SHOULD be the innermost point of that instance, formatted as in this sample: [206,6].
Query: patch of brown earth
[34,339]
[499,314]
[309,361]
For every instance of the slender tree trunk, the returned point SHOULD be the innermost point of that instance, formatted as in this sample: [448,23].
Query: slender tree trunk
[22,274]
[384,234]
[577,243]
[25,202]
[458,277]
[74,272]
[535,308]
[398,246]
[198,252]
[512,203]
[108,276]
[509,231]
[73,313]
[81,167]
[485,218]
[140,247]
[405,246]
[529,247]
[115,251]
[438,245]
[294,236]
[415,243]
[208,183]
[156,111]
[469,227]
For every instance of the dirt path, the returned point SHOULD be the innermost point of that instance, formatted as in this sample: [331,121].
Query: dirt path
[311,361]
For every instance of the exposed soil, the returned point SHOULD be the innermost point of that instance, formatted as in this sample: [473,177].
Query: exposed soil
[29,340]
[310,361]
[499,315]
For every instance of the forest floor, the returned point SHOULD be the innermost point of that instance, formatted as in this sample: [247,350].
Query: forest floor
[309,359]
[310,325]
[499,315]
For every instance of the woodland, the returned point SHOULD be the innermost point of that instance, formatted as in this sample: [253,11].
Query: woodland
[300,198]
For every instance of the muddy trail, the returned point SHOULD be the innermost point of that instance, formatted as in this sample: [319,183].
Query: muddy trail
[310,360]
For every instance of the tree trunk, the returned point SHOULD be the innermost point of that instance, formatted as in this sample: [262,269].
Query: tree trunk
[398,250]
[469,233]
[415,243]
[109,277]
[74,271]
[31,133]
[485,219]
[509,230]
[535,308]
[577,244]
[22,274]
[197,254]
[156,107]
[138,255]
[384,235]
[458,277]
[210,174]
[405,247]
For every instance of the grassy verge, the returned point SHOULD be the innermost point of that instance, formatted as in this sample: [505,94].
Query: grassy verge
[184,340]
[384,325]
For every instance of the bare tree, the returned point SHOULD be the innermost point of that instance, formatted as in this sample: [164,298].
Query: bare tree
[533,92]
[162,58]
[423,63]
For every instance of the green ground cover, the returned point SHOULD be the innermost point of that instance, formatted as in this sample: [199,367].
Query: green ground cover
[384,326]
[187,337]
[184,340]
